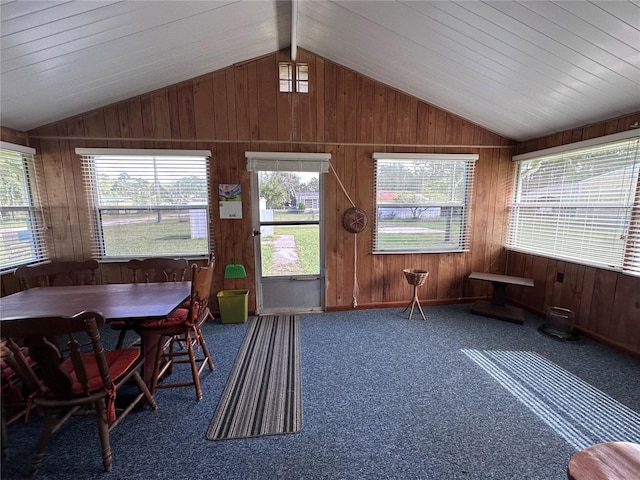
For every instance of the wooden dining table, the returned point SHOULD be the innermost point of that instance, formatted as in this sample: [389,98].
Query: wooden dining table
[132,301]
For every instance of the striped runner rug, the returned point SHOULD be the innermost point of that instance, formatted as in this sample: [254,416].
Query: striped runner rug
[263,393]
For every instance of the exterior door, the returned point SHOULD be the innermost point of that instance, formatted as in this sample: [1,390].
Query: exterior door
[288,232]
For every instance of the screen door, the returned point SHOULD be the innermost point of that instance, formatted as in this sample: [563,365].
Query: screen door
[288,232]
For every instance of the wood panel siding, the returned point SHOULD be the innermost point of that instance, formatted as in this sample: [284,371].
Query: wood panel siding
[349,115]
[240,108]
[13,136]
[606,303]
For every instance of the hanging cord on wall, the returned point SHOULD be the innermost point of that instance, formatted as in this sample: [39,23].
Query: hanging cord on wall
[356,288]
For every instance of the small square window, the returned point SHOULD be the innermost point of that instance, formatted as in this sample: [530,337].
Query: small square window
[286,77]
[302,78]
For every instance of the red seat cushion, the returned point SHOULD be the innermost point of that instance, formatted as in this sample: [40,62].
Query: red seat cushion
[119,362]
[180,316]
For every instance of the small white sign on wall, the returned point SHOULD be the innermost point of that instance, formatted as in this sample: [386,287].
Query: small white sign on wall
[230,200]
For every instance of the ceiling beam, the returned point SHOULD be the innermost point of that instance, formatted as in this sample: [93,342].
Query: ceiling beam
[294,29]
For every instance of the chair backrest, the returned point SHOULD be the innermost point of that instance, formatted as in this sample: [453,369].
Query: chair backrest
[82,333]
[57,274]
[158,269]
[201,282]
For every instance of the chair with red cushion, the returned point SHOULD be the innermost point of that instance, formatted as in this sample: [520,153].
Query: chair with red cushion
[81,376]
[13,396]
[181,331]
[150,270]
[14,393]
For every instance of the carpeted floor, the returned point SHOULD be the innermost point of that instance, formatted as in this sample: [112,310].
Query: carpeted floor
[383,397]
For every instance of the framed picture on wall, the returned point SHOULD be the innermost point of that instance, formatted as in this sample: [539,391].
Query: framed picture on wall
[230,200]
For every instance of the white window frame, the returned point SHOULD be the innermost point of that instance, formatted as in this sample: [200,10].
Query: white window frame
[152,168]
[285,77]
[302,77]
[21,246]
[428,204]
[293,80]
[585,219]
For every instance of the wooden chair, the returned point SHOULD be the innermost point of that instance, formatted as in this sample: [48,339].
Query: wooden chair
[57,274]
[181,331]
[13,401]
[84,375]
[150,270]
[14,393]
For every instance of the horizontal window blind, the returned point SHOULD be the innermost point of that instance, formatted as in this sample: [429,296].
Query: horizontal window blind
[21,221]
[287,162]
[581,205]
[148,202]
[423,202]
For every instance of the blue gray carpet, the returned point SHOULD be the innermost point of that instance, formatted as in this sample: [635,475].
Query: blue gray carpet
[384,398]
[577,411]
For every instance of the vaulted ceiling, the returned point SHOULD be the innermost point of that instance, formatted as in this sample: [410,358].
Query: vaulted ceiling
[521,69]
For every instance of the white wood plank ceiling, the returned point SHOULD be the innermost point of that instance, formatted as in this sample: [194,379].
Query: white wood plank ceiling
[522,69]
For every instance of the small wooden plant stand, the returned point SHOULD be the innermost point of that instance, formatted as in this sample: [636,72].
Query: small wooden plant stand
[415,278]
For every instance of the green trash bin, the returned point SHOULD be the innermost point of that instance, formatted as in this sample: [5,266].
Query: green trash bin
[234,305]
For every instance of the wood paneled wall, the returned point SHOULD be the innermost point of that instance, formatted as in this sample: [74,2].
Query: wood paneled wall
[606,303]
[239,108]
[13,136]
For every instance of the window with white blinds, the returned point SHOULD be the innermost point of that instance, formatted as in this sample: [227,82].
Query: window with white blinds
[581,204]
[287,162]
[148,202]
[21,221]
[423,202]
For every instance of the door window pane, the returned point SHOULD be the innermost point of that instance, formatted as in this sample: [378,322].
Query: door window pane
[290,250]
[289,223]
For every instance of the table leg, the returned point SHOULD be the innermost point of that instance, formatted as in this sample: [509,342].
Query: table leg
[149,347]
[499,296]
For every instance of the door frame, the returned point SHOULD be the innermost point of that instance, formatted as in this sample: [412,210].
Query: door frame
[259,279]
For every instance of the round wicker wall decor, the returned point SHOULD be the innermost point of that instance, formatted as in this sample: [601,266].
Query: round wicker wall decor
[354,220]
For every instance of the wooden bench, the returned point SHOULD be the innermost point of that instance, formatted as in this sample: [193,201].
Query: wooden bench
[611,460]
[497,307]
